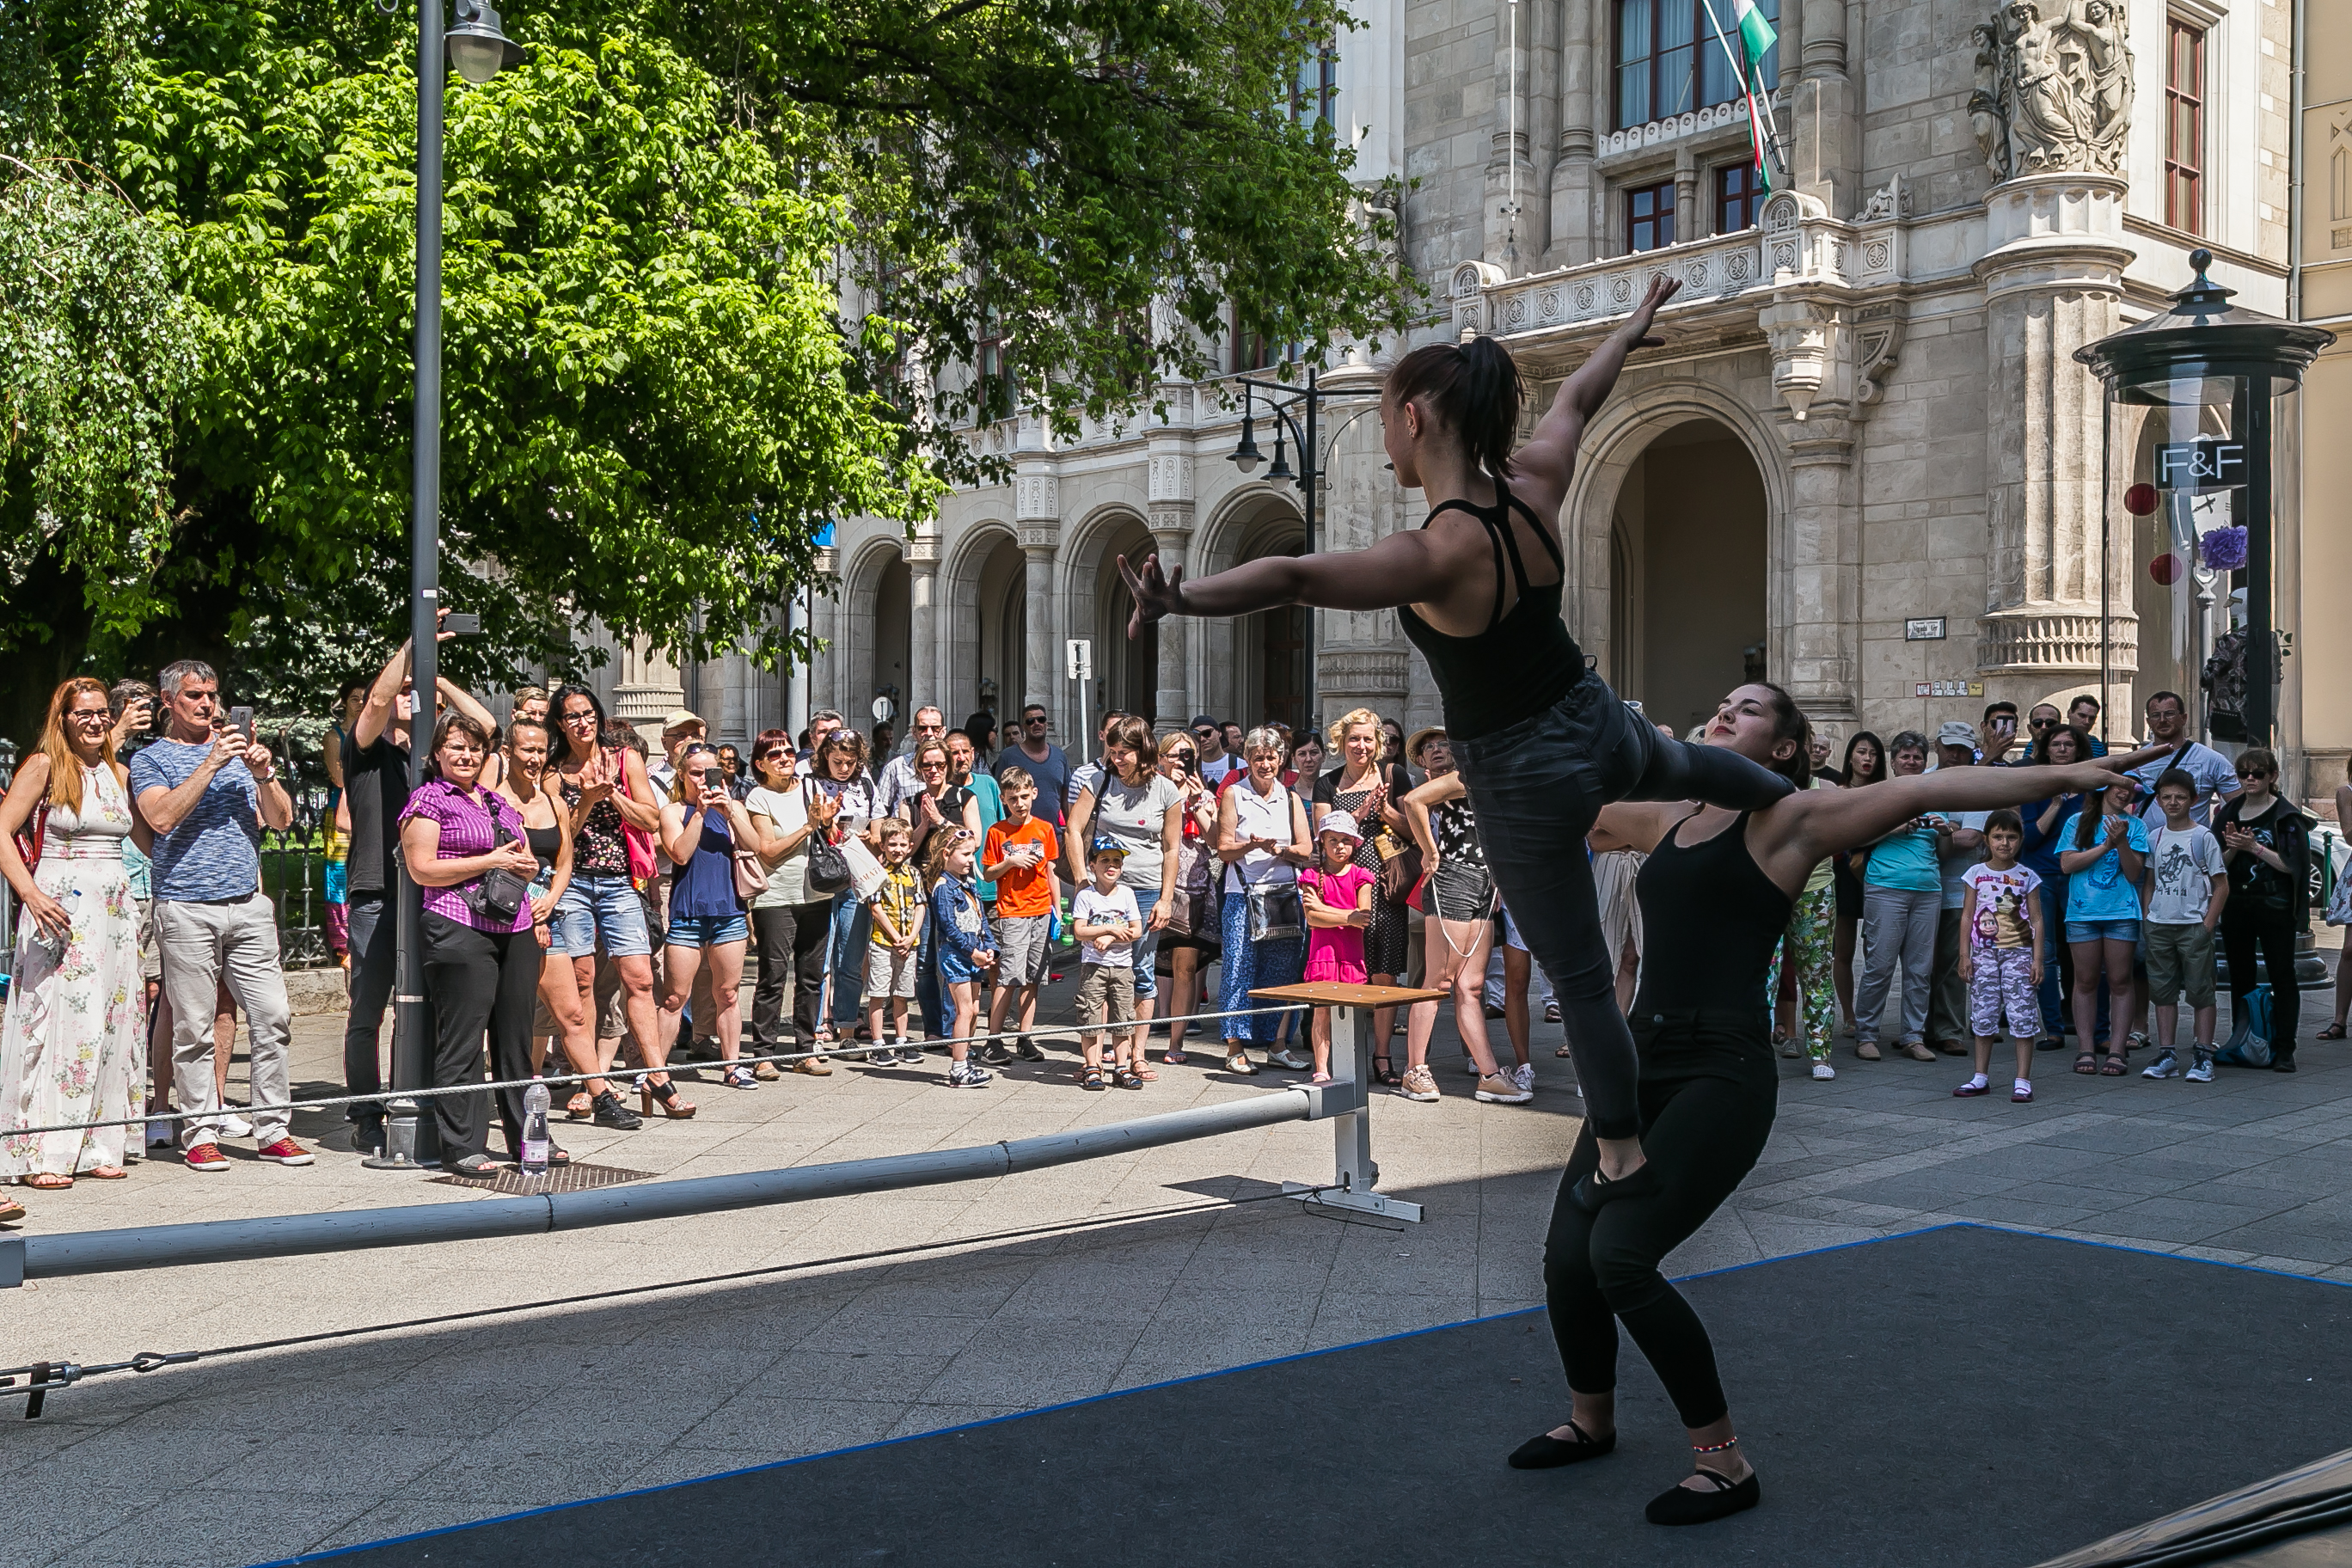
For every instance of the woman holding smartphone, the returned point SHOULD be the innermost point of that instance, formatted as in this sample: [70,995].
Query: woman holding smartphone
[700,828]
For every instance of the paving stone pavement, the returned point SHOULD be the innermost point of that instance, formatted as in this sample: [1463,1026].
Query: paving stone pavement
[894,1313]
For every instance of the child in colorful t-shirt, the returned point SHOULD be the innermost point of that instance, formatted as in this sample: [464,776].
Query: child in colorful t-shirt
[1337,895]
[2000,954]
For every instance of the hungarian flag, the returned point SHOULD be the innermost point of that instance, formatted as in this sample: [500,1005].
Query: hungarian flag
[1757,34]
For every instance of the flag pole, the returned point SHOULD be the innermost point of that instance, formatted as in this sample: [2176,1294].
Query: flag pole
[1762,100]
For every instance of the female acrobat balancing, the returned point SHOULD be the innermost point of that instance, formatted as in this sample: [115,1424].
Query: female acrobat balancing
[1715,895]
[1540,739]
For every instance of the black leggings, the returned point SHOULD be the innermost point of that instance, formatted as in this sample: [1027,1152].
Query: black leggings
[2242,931]
[1702,1134]
[1537,786]
[480,980]
[791,940]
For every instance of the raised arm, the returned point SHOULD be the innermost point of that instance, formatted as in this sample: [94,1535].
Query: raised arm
[1818,822]
[1399,570]
[1416,806]
[1550,452]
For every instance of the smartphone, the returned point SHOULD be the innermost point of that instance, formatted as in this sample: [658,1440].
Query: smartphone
[241,721]
[462,623]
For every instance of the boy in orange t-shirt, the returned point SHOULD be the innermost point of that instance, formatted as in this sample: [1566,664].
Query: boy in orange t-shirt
[1019,856]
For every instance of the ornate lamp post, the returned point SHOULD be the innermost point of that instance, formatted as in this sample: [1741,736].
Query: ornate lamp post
[2200,418]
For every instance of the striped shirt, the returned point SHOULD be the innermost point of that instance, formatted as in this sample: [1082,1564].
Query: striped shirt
[465,831]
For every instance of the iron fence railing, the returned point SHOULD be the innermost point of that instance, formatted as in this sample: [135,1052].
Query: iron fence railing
[293,861]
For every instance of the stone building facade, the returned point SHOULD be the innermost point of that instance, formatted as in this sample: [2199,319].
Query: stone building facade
[1865,463]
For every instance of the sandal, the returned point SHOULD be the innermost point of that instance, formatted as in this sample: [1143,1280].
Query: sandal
[739,1077]
[2333,1032]
[106,1173]
[1175,1059]
[1091,1077]
[11,1211]
[2111,1068]
[1384,1070]
[2086,1064]
[1560,1051]
[1143,1070]
[1238,1060]
[48,1181]
[673,1108]
[580,1106]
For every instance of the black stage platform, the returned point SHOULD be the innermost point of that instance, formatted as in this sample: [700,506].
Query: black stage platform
[1961,1395]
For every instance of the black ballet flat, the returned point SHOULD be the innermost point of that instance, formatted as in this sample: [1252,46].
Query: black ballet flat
[1596,1189]
[1545,1452]
[1680,1504]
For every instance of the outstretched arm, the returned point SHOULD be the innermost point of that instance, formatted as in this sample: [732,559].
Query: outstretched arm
[1550,452]
[1400,569]
[1828,820]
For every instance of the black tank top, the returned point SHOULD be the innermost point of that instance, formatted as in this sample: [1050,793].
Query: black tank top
[545,843]
[1714,918]
[1524,661]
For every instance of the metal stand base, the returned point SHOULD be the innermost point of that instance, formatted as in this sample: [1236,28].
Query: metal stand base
[1362,1202]
[411,1143]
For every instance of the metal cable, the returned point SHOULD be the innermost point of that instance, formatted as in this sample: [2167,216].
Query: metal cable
[43,1377]
[552,1079]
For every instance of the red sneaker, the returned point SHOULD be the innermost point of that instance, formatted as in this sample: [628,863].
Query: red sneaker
[286,1152]
[205,1157]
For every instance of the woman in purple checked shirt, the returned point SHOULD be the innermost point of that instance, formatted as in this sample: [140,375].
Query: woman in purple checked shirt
[481,973]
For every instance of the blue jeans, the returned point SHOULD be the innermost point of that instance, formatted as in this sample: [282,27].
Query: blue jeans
[1244,966]
[2052,998]
[937,1025]
[1537,787]
[606,907]
[852,932]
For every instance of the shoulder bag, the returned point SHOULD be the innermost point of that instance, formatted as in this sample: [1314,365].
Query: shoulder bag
[750,874]
[498,897]
[30,842]
[639,842]
[827,872]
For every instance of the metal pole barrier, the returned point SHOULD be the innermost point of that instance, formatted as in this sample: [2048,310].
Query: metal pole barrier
[409,1136]
[1354,1173]
[24,1257]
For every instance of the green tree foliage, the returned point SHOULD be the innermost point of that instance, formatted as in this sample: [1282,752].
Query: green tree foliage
[710,276]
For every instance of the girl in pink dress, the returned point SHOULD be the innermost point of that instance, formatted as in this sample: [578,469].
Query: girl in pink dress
[1338,896]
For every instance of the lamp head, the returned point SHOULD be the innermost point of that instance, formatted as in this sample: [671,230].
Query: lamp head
[476,47]
[1245,455]
[1281,469]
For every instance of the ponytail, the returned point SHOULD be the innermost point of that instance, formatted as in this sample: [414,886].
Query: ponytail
[1471,389]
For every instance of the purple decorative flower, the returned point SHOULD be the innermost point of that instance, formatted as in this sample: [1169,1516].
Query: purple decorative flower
[2223,548]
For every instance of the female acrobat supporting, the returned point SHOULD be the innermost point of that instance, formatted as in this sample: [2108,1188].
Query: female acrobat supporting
[1715,895]
[1540,739]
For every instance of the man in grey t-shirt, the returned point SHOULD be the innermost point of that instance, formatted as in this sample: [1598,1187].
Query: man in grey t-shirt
[208,798]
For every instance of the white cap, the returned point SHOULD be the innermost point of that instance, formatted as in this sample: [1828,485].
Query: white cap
[1340,823]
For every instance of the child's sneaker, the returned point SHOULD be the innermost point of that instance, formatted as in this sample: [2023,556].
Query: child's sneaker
[1822,1070]
[2200,1070]
[1027,1049]
[996,1053]
[1974,1087]
[964,1075]
[2021,1092]
[2167,1065]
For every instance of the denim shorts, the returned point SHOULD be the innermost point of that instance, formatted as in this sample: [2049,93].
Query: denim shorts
[706,931]
[606,905]
[2103,931]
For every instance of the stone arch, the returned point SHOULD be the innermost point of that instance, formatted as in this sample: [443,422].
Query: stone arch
[875,625]
[984,600]
[1617,439]
[1232,679]
[1093,599]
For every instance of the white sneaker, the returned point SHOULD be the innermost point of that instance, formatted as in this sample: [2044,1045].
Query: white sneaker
[1524,1075]
[1502,1089]
[1823,1072]
[232,1125]
[2202,1072]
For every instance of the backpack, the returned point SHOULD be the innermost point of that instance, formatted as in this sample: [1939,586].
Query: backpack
[2250,1044]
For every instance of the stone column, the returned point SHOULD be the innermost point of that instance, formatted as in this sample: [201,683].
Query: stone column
[828,664]
[1690,221]
[1580,110]
[1824,115]
[1514,239]
[2052,275]
[649,689]
[1168,478]
[924,685]
[1820,640]
[1037,520]
[1360,656]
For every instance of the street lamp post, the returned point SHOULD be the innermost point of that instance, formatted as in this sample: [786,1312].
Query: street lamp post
[478,51]
[1281,399]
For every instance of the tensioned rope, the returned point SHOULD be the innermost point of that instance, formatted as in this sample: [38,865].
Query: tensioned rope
[629,1073]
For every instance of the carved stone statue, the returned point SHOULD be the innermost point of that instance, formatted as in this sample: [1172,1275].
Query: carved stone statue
[2052,93]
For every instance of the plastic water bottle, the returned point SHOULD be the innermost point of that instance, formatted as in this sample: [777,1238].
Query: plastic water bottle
[535,1138]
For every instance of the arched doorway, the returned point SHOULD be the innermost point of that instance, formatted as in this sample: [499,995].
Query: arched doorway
[1004,601]
[1687,562]
[893,646]
[1126,673]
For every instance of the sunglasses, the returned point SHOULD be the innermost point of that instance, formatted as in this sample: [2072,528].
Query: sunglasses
[774,752]
[2254,772]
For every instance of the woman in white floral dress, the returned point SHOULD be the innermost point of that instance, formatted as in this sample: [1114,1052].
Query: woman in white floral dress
[71,1048]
